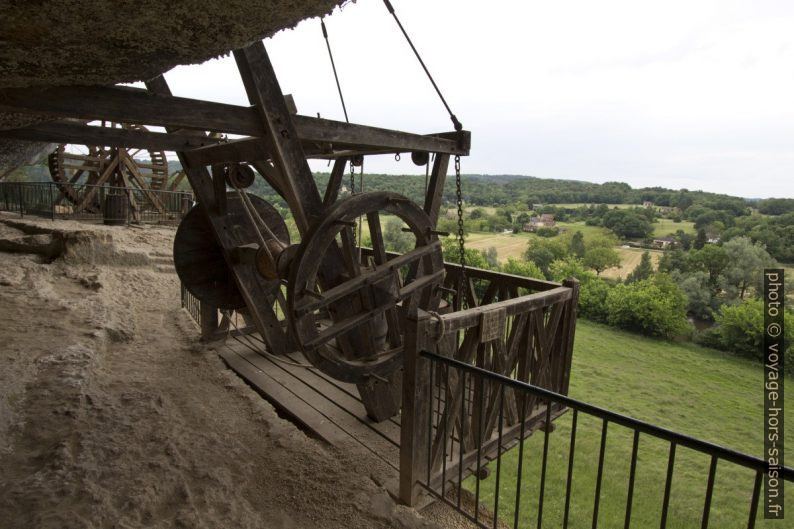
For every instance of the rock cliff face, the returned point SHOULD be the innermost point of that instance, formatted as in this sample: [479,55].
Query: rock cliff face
[102,42]
[66,42]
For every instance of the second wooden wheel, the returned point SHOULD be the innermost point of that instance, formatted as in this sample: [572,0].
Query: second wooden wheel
[78,170]
[351,328]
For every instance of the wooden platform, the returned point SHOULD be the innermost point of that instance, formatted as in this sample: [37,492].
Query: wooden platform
[326,408]
[332,411]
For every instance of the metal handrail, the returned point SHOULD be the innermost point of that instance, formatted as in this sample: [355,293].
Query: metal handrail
[699,445]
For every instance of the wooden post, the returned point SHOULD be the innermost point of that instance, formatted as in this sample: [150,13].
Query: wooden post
[435,188]
[380,397]
[417,393]
[570,331]
[258,300]
[208,316]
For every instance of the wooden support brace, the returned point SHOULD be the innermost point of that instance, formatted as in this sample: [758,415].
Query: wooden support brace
[258,300]
[416,394]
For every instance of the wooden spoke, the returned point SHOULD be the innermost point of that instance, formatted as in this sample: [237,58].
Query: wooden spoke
[377,274]
[350,252]
[376,235]
[334,182]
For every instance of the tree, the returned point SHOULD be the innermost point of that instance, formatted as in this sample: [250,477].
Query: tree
[522,268]
[684,239]
[674,260]
[744,269]
[654,306]
[701,239]
[491,257]
[395,239]
[576,246]
[643,270]
[593,299]
[628,224]
[562,269]
[543,252]
[474,258]
[740,329]
[711,259]
[776,206]
[601,258]
[701,298]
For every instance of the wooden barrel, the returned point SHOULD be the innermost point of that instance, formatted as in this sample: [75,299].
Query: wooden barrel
[116,210]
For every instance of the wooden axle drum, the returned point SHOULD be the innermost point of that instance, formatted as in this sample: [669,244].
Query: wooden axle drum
[350,329]
[200,262]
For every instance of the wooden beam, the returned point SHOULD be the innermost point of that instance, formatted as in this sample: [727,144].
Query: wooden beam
[257,298]
[133,105]
[435,187]
[59,132]
[334,182]
[339,133]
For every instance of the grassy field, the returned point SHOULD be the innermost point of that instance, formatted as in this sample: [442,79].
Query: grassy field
[664,227]
[587,231]
[630,258]
[696,391]
[574,205]
[507,244]
[515,244]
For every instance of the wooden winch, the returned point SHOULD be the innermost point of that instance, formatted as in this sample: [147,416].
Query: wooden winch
[318,295]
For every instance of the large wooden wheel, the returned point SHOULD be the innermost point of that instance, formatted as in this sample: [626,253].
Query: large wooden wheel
[199,260]
[351,330]
[77,169]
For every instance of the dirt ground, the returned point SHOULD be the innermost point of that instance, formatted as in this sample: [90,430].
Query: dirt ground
[113,415]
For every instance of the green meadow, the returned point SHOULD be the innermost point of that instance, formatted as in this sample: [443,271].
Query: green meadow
[696,391]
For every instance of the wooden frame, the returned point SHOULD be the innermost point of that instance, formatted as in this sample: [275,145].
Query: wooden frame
[322,138]
[535,347]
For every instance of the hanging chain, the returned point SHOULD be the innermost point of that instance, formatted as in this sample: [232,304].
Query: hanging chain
[353,192]
[461,241]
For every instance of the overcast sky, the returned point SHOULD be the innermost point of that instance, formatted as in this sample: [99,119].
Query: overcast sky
[695,94]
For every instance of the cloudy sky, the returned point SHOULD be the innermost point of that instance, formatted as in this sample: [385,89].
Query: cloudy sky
[696,94]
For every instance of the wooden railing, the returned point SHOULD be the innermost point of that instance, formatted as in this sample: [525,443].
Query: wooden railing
[516,327]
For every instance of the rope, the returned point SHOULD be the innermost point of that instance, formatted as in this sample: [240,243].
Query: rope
[333,66]
[455,122]
[248,207]
[442,325]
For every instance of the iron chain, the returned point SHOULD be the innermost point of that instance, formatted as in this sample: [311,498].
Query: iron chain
[353,192]
[461,236]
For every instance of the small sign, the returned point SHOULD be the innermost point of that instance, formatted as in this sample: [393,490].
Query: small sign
[492,324]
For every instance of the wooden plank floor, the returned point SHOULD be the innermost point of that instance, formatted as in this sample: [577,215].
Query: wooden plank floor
[332,411]
[327,408]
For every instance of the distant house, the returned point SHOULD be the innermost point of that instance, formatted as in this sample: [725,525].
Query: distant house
[663,243]
[713,240]
[544,221]
[647,204]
